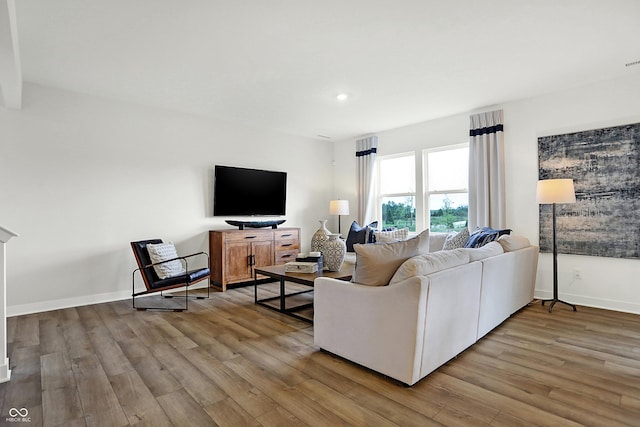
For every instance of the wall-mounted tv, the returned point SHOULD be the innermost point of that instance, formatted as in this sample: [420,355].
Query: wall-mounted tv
[249,192]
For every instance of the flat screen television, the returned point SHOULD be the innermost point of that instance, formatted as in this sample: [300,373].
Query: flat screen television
[248,192]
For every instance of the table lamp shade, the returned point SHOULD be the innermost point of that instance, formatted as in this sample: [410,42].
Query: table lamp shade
[551,191]
[339,207]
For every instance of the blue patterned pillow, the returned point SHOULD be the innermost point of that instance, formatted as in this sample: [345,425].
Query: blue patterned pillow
[483,235]
[359,234]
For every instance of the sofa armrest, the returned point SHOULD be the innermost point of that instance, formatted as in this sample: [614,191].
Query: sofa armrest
[380,327]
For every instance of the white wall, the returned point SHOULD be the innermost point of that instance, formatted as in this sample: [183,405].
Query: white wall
[607,282]
[81,177]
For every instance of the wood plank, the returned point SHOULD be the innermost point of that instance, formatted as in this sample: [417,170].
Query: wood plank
[203,390]
[60,400]
[99,402]
[228,413]
[183,410]
[137,401]
[244,393]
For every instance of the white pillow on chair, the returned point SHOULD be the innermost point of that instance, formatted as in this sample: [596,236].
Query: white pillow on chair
[162,252]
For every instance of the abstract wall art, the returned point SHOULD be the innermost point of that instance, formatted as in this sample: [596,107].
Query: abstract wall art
[605,166]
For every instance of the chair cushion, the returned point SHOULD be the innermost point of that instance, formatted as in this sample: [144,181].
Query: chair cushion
[190,277]
[142,257]
[164,252]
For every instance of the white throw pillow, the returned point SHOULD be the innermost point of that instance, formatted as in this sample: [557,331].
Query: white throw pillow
[391,236]
[486,251]
[162,252]
[511,242]
[376,263]
[423,265]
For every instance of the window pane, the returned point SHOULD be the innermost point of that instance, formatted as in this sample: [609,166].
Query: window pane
[448,169]
[448,212]
[398,175]
[399,212]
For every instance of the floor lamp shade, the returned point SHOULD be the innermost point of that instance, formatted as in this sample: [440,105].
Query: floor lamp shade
[551,192]
[339,207]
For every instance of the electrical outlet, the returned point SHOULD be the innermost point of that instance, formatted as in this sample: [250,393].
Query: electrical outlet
[577,274]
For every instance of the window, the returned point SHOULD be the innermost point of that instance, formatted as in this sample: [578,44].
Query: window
[397,191]
[447,188]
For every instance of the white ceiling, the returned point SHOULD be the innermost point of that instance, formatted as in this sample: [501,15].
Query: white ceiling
[279,64]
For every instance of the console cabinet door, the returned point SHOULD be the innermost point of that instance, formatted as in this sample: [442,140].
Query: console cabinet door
[237,265]
[263,254]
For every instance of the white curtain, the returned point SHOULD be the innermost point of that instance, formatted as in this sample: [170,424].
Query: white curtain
[486,171]
[366,150]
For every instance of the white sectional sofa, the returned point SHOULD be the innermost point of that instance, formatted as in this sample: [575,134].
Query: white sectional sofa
[435,306]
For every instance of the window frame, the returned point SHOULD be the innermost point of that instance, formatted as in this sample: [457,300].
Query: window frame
[425,180]
[416,193]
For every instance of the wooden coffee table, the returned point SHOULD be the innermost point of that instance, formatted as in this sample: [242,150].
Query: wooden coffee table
[279,302]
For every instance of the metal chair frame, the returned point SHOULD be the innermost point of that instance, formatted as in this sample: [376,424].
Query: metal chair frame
[151,290]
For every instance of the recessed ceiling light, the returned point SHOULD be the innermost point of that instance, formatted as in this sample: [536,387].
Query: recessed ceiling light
[342,97]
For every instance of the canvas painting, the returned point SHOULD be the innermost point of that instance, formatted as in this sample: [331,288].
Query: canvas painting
[605,166]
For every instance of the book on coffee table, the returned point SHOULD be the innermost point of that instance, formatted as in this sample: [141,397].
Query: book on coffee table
[301,267]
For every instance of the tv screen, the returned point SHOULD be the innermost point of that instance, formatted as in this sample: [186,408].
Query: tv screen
[249,192]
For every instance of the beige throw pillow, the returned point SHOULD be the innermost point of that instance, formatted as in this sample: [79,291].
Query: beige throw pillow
[376,263]
[511,242]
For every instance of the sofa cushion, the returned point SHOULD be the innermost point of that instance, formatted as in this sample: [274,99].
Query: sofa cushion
[376,263]
[163,252]
[486,251]
[456,240]
[511,242]
[423,265]
[360,235]
[391,235]
[483,235]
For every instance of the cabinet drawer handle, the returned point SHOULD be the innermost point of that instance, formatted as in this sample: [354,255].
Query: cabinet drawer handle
[287,244]
[287,235]
[286,256]
[250,237]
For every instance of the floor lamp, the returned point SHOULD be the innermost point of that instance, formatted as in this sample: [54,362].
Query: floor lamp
[553,191]
[339,207]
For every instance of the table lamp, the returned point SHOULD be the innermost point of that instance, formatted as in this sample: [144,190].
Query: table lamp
[339,207]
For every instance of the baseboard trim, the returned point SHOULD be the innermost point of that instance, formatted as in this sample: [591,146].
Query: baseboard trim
[606,304]
[39,307]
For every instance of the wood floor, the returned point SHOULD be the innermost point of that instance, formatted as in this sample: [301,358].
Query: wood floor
[229,362]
